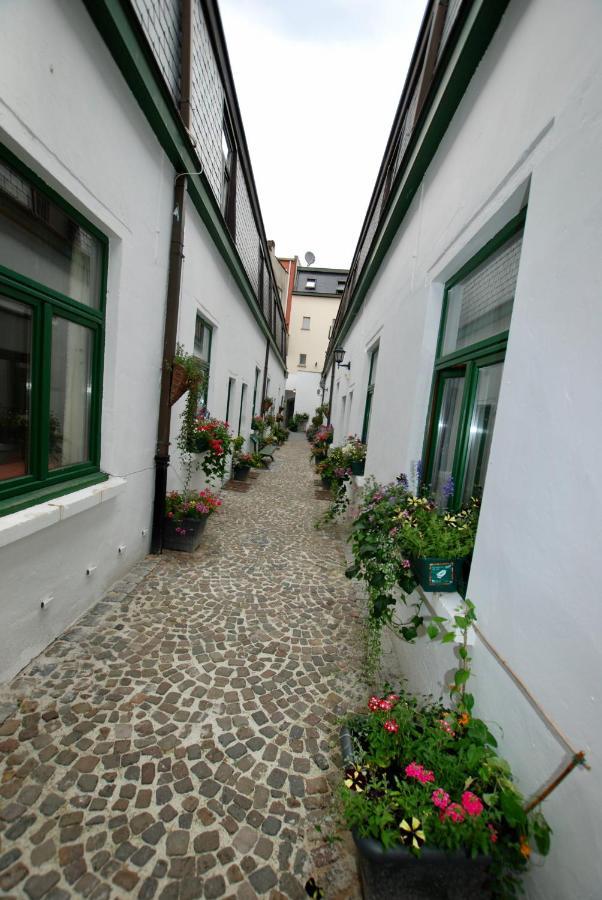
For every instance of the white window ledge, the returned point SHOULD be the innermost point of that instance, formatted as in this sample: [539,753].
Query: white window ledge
[447,605]
[27,521]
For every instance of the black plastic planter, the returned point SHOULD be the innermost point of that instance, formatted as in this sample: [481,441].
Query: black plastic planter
[242,473]
[358,467]
[435,573]
[397,874]
[188,541]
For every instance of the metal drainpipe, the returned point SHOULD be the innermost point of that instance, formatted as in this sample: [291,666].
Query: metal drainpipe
[172,304]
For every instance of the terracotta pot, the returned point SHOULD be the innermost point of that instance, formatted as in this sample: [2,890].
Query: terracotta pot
[179,383]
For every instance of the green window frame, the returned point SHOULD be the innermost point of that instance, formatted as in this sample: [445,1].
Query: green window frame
[243,397]
[43,481]
[369,393]
[456,418]
[255,389]
[231,383]
[203,340]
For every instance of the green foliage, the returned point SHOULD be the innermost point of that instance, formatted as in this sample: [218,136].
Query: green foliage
[420,759]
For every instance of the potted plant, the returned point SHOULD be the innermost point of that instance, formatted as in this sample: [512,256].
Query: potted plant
[355,454]
[241,462]
[437,542]
[433,809]
[186,374]
[186,515]
[321,442]
[213,439]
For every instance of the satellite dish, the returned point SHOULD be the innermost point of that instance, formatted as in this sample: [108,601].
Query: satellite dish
[310,258]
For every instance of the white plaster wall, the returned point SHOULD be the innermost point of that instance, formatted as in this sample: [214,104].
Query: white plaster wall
[314,341]
[308,395]
[69,115]
[532,112]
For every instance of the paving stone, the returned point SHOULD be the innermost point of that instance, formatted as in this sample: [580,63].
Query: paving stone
[215,887]
[39,885]
[177,843]
[263,879]
[206,841]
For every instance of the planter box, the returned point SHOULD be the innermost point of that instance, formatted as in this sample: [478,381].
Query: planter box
[357,468]
[187,542]
[435,573]
[241,474]
[397,874]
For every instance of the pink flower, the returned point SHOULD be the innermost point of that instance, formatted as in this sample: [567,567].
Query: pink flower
[447,727]
[385,704]
[373,704]
[391,726]
[492,833]
[393,697]
[472,804]
[440,798]
[413,770]
[405,563]
[455,812]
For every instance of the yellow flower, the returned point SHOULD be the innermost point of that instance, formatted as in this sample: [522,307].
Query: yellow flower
[525,849]
[411,833]
[463,719]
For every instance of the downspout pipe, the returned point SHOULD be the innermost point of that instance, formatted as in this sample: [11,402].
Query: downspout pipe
[174,281]
[264,387]
[172,304]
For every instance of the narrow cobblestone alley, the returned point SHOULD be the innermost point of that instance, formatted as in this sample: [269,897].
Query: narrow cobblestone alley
[179,740]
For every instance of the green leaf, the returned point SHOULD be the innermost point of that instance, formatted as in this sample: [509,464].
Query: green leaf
[469,702]
[462,652]
[461,676]
[439,619]
[448,638]
[512,809]
[460,621]
[432,631]
[541,832]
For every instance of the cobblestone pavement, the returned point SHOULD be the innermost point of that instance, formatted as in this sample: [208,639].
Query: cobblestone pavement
[180,740]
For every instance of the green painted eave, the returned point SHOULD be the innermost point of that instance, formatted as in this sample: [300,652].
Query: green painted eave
[119,33]
[434,121]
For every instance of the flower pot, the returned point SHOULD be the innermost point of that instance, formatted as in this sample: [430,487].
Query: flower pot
[434,573]
[187,542]
[358,466]
[325,481]
[397,874]
[179,383]
[241,473]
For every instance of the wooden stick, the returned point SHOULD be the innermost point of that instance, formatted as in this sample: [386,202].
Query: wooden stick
[577,760]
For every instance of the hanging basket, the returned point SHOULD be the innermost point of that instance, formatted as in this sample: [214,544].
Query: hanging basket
[179,383]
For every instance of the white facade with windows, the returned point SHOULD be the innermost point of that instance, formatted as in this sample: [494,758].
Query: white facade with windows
[86,204]
[505,226]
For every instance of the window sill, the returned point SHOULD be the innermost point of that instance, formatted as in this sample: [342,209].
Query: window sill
[26,522]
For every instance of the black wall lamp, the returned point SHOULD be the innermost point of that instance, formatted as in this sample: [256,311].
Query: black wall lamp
[339,356]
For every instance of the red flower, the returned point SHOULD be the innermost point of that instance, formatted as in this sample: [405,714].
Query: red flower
[391,726]
[373,703]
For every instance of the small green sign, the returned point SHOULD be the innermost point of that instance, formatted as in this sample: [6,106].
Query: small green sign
[441,573]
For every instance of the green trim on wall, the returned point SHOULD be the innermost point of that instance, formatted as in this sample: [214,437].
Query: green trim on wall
[50,492]
[120,32]
[484,26]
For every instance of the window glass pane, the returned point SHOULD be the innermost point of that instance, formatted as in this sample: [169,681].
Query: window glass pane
[306,323]
[70,393]
[446,435]
[15,388]
[40,240]
[481,430]
[480,305]
[202,340]
[373,365]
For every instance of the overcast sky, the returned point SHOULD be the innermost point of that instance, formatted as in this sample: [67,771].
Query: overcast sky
[318,82]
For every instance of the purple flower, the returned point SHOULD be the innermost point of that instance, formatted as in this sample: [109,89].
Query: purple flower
[448,487]
[402,479]
[418,473]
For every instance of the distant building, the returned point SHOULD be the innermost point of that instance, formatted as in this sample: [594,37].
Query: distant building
[313,307]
